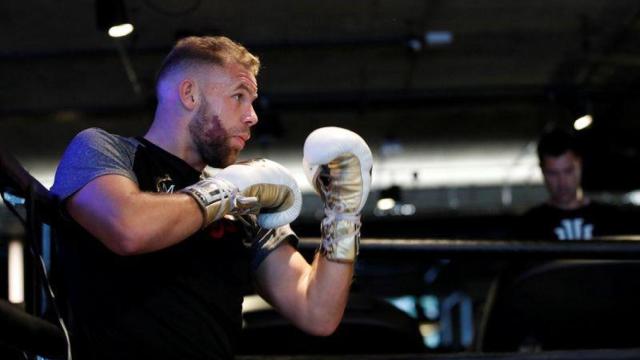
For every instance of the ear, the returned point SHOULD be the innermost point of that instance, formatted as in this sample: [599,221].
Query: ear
[189,94]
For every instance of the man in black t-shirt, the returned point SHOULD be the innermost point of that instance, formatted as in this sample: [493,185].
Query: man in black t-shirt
[156,253]
[568,214]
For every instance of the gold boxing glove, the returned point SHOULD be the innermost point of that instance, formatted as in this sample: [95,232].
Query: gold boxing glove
[260,186]
[338,163]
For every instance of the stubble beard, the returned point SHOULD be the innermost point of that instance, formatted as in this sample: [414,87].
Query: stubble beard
[210,138]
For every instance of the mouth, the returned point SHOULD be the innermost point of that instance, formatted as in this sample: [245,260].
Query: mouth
[244,137]
[241,139]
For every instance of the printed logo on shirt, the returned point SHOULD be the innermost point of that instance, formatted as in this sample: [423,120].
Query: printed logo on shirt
[574,229]
[218,229]
[165,184]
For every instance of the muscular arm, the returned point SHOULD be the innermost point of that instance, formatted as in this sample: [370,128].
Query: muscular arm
[313,297]
[338,164]
[129,221]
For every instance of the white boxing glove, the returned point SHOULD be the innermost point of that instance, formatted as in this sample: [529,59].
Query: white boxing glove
[259,186]
[338,163]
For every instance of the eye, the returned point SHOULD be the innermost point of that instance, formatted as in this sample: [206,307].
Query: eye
[238,97]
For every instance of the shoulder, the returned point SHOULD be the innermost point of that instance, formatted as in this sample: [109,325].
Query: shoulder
[537,210]
[596,204]
[92,153]
[98,145]
[93,133]
[608,209]
[96,137]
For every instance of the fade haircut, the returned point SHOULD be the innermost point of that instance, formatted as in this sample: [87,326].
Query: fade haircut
[206,50]
[557,142]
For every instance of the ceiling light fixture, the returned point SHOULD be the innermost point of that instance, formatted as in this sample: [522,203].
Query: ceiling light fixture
[111,17]
[120,30]
[583,122]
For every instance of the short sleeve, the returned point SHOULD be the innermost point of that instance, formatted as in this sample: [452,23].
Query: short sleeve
[93,153]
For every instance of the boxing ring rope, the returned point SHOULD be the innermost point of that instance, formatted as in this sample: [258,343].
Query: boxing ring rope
[627,247]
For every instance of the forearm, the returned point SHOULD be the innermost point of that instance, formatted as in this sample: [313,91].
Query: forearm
[129,221]
[153,222]
[313,297]
[338,164]
[327,286]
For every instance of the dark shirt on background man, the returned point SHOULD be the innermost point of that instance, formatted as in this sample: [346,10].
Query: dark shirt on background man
[593,220]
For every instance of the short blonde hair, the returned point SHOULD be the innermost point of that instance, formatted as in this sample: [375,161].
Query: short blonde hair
[214,50]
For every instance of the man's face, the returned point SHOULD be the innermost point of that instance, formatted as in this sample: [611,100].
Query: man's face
[562,176]
[222,122]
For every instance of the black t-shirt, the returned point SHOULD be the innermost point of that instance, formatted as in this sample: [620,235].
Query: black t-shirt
[546,222]
[182,302]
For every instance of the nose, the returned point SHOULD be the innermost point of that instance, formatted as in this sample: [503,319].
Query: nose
[251,117]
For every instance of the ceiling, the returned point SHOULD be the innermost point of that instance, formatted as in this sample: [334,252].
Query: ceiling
[512,68]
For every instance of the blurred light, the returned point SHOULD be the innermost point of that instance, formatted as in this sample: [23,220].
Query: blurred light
[16,272]
[414,44]
[633,197]
[12,199]
[391,146]
[583,122]
[438,38]
[390,203]
[430,335]
[405,303]
[386,204]
[431,306]
[120,30]
[254,303]
[389,199]
[111,17]
[407,209]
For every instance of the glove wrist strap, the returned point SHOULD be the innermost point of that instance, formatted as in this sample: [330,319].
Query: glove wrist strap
[216,197]
[340,236]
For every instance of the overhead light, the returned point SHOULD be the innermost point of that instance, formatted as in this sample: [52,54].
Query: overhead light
[111,17]
[438,38]
[583,122]
[120,30]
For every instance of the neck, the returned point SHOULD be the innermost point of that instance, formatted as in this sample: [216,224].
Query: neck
[578,201]
[172,135]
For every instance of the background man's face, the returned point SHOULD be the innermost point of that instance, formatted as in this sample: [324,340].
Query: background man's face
[562,176]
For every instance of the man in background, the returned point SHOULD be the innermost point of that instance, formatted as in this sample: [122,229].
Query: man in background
[568,214]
